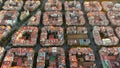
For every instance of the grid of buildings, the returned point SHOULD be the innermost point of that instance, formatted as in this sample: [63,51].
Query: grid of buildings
[52,36]
[53,57]
[82,57]
[19,58]
[110,57]
[56,32]
[25,36]
[53,5]
[52,18]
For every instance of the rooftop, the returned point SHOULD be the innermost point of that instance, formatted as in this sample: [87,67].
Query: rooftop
[8,17]
[75,18]
[97,19]
[111,55]
[77,36]
[114,17]
[4,30]
[13,5]
[107,5]
[81,56]
[35,19]
[52,18]
[31,5]
[72,5]
[55,57]
[25,36]
[92,6]
[104,36]
[18,57]
[52,36]
[53,5]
